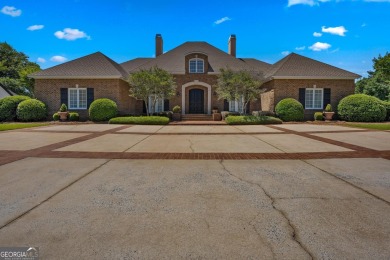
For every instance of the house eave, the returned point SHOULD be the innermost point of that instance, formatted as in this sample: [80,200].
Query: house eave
[75,77]
[312,77]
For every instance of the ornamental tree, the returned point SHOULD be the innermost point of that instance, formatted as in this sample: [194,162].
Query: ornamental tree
[241,85]
[150,85]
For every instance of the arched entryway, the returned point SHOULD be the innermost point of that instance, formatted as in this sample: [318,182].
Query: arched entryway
[196,101]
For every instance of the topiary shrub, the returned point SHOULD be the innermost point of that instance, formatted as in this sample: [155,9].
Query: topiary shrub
[289,109]
[361,108]
[387,106]
[328,108]
[318,116]
[56,117]
[73,116]
[103,109]
[31,110]
[63,108]
[8,107]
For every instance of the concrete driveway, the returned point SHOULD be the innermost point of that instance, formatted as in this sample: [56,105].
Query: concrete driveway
[145,192]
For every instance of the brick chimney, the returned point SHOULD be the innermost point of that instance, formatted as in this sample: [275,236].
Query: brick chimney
[159,45]
[232,45]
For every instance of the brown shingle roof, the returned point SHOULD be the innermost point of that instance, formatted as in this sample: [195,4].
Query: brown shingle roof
[96,65]
[173,60]
[135,63]
[297,66]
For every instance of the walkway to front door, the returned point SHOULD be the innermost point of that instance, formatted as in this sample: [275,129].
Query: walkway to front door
[196,101]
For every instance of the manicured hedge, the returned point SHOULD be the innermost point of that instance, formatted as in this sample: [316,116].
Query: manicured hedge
[31,110]
[103,109]
[56,117]
[140,120]
[8,107]
[318,116]
[387,106]
[361,108]
[252,120]
[73,116]
[289,109]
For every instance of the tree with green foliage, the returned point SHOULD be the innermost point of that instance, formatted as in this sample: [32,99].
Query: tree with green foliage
[151,85]
[14,70]
[243,86]
[377,83]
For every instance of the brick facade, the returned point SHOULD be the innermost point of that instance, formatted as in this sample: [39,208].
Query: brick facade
[48,91]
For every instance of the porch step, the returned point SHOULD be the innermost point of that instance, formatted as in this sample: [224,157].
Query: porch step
[196,117]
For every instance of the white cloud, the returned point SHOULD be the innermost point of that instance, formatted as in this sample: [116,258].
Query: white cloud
[320,46]
[58,59]
[301,2]
[285,53]
[41,60]
[339,30]
[317,34]
[35,27]
[71,34]
[11,10]
[222,20]
[364,25]
[300,48]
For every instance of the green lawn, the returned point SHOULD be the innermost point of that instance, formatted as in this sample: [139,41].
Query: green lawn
[13,126]
[376,126]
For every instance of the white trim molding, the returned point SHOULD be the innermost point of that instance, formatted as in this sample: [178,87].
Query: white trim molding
[195,83]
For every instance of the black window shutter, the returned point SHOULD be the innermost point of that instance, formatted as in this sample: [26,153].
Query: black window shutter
[326,97]
[64,96]
[302,96]
[166,105]
[90,96]
[143,107]
[225,105]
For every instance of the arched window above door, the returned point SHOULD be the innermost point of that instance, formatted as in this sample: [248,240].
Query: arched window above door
[196,65]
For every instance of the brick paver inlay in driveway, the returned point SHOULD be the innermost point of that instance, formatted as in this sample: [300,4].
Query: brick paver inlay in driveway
[109,191]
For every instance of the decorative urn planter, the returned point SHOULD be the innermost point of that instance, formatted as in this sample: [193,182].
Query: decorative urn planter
[328,116]
[63,115]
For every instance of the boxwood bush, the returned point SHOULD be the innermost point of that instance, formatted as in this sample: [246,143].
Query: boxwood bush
[361,108]
[31,110]
[8,107]
[73,116]
[140,120]
[252,120]
[56,117]
[103,109]
[318,116]
[289,109]
[387,106]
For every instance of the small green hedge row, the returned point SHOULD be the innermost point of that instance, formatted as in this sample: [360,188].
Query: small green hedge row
[8,106]
[73,116]
[31,110]
[318,116]
[289,109]
[103,109]
[361,108]
[140,120]
[252,120]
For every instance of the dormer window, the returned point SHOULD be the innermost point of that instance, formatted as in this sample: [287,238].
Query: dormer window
[196,65]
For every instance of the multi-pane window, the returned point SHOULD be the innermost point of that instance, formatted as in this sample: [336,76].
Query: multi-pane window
[77,98]
[196,65]
[158,106]
[236,105]
[314,98]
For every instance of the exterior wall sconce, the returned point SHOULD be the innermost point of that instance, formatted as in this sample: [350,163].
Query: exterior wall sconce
[178,94]
[77,85]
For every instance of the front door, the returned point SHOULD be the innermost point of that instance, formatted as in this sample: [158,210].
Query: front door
[196,101]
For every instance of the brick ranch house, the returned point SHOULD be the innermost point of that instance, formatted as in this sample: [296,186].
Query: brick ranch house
[195,67]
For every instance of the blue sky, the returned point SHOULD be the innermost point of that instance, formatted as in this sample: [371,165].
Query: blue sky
[344,33]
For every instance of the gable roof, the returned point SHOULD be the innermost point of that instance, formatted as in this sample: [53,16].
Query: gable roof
[94,66]
[295,66]
[257,64]
[135,63]
[173,60]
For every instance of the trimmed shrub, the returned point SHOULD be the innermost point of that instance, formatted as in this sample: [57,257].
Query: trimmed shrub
[176,109]
[361,108]
[328,108]
[164,113]
[289,109]
[103,109]
[231,113]
[318,116]
[31,110]
[8,107]
[140,120]
[56,117]
[252,120]
[63,108]
[263,113]
[387,106]
[73,116]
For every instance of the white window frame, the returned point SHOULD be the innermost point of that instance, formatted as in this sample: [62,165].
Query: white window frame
[236,105]
[78,98]
[197,68]
[159,104]
[313,98]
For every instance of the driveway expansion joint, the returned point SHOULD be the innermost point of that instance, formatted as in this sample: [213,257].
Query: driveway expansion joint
[294,234]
